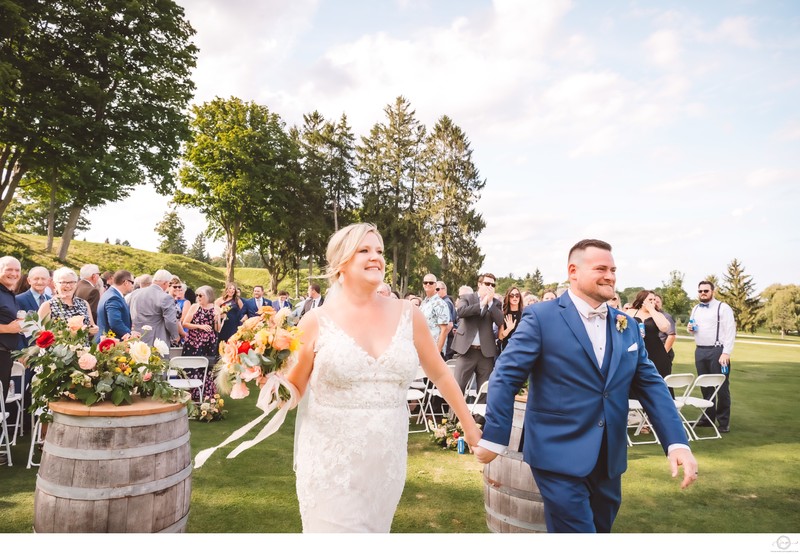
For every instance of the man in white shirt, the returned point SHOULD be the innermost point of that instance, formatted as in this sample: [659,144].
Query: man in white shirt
[714,329]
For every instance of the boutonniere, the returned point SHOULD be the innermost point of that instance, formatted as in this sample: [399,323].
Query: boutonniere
[622,323]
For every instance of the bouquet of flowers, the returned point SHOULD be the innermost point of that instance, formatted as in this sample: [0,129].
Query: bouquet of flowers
[446,435]
[258,351]
[114,370]
[211,409]
[260,347]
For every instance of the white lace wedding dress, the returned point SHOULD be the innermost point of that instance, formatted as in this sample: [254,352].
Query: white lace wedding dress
[351,442]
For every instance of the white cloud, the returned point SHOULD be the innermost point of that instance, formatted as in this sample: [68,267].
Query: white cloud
[664,47]
[736,31]
[768,177]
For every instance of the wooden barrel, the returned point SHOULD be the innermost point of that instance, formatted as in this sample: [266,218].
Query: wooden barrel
[114,469]
[510,495]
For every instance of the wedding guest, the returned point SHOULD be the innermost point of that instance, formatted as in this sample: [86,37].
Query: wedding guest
[90,287]
[10,271]
[531,299]
[549,294]
[203,322]
[153,307]
[113,313]
[36,295]
[281,302]
[669,337]
[65,304]
[315,299]
[107,278]
[643,310]
[436,313]
[252,305]
[232,309]
[441,290]
[140,282]
[614,302]
[181,306]
[512,313]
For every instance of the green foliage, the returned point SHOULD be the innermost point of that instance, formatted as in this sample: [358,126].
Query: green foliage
[628,294]
[29,210]
[170,229]
[97,100]
[675,301]
[782,308]
[197,250]
[738,291]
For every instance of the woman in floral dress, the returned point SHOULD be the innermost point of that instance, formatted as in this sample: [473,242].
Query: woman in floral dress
[203,323]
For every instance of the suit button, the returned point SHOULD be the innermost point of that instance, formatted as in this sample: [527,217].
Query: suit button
[605,395]
[601,423]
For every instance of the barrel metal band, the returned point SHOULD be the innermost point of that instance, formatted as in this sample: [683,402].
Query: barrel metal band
[178,526]
[77,493]
[512,491]
[104,422]
[536,527]
[115,453]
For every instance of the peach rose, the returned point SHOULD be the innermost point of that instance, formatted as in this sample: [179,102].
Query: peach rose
[239,391]
[147,376]
[75,323]
[282,340]
[87,361]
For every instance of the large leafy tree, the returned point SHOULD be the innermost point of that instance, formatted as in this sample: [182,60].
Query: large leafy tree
[390,162]
[238,163]
[98,99]
[738,291]
[452,188]
[31,211]
[782,308]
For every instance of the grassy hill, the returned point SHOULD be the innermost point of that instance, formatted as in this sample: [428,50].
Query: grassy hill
[30,251]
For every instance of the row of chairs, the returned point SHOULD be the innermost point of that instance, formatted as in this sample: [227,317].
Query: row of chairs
[424,395]
[684,386]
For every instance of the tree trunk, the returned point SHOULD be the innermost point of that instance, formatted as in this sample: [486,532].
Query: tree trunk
[230,254]
[69,230]
[9,184]
[51,215]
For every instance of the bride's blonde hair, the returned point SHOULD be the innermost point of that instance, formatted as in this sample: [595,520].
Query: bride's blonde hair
[343,245]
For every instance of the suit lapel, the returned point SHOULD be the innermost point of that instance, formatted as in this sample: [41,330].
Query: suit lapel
[617,344]
[570,314]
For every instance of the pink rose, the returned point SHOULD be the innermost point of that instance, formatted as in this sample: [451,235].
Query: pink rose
[75,323]
[282,340]
[239,391]
[87,362]
[147,376]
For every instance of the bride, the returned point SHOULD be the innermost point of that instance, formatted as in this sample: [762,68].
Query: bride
[360,352]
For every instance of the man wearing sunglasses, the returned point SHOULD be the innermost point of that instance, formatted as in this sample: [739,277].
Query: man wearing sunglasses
[474,341]
[714,329]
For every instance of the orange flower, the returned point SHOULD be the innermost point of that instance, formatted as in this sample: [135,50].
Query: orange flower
[282,340]
[239,390]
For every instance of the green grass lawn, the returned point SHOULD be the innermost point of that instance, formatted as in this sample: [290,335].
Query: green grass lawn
[749,480]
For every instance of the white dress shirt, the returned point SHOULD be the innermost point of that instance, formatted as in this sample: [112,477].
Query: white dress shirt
[595,327]
[706,330]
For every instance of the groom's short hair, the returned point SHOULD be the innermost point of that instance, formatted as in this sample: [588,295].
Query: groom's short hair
[588,243]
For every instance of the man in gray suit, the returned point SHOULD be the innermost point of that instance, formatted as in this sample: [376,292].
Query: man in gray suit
[474,341]
[154,307]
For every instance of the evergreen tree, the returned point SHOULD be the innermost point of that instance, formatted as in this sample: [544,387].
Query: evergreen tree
[453,188]
[170,229]
[737,290]
[126,243]
[535,283]
[197,251]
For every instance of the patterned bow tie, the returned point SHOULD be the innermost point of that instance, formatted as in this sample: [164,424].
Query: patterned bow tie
[601,312]
[703,304]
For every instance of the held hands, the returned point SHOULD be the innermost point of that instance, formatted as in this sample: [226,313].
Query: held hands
[484,455]
[683,457]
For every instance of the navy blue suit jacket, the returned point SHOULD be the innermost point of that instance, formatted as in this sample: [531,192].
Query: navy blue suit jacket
[113,314]
[277,305]
[26,301]
[571,405]
[250,307]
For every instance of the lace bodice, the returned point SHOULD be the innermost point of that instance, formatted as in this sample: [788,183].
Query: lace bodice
[352,436]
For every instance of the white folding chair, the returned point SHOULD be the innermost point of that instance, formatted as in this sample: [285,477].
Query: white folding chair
[637,420]
[175,351]
[178,367]
[4,415]
[716,381]
[432,393]
[18,398]
[36,436]
[478,407]
[681,385]
[415,398]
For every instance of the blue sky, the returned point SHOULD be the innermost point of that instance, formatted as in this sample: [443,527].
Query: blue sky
[669,129]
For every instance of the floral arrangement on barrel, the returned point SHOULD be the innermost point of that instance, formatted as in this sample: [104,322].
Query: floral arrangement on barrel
[446,435]
[212,408]
[113,370]
[257,352]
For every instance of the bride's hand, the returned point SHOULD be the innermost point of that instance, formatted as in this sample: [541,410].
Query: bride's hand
[472,435]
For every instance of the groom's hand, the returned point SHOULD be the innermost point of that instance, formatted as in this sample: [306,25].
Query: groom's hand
[683,457]
[483,455]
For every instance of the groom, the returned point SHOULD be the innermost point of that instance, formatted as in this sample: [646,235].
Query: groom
[583,361]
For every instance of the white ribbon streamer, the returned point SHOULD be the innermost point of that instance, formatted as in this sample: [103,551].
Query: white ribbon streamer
[268,400]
